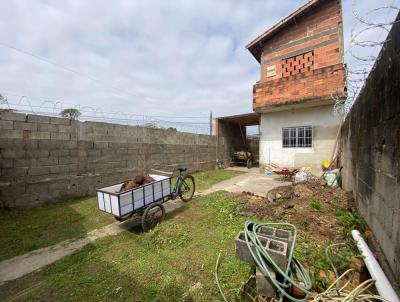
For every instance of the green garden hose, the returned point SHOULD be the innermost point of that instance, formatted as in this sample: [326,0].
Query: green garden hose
[217,280]
[336,292]
[265,263]
[328,254]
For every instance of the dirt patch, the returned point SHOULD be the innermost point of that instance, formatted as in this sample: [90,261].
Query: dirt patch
[310,206]
[138,181]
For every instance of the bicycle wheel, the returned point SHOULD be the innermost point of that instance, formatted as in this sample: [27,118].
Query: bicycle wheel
[152,216]
[249,163]
[187,188]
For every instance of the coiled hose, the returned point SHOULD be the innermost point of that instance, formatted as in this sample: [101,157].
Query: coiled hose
[336,291]
[265,263]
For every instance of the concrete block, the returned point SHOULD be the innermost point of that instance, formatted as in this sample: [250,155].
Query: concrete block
[100,145]
[6,163]
[59,121]
[37,153]
[25,126]
[11,133]
[59,185]
[38,119]
[93,152]
[242,250]
[47,161]
[39,170]
[60,152]
[73,135]
[59,169]
[276,249]
[6,124]
[40,135]
[66,128]
[47,128]
[59,136]
[68,160]
[264,285]
[277,234]
[12,116]
[23,162]
[48,144]
[73,168]
[14,172]
[12,153]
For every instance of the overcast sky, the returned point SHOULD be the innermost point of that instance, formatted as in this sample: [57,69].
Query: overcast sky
[152,57]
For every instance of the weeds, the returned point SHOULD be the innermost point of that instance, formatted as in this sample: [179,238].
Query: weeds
[171,237]
[316,204]
[349,220]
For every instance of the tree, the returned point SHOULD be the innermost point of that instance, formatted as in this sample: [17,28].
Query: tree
[70,113]
[3,101]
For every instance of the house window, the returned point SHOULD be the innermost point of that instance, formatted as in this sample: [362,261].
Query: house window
[297,137]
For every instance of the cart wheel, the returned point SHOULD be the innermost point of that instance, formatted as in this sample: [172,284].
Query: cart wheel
[249,163]
[187,188]
[152,216]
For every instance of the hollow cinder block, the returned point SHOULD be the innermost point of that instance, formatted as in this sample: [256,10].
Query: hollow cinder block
[275,248]
[278,252]
[242,250]
[277,234]
[264,285]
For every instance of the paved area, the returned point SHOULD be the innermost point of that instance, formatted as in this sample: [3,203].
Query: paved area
[10,269]
[253,181]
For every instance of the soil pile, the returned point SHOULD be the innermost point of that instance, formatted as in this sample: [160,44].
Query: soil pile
[322,215]
[138,181]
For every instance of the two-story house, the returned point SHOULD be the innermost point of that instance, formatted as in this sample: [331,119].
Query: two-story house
[301,76]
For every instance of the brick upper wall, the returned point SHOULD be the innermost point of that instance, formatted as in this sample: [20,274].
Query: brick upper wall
[294,61]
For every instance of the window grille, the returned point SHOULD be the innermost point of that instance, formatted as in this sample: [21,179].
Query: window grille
[297,137]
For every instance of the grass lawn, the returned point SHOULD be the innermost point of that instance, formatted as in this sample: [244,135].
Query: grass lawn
[204,180]
[176,260]
[173,262]
[22,231]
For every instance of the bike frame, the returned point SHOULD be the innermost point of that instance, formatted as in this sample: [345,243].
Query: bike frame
[178,182]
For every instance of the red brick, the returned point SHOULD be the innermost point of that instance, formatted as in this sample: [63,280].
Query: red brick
[312,74]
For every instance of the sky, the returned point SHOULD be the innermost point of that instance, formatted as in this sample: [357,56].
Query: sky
[155,57]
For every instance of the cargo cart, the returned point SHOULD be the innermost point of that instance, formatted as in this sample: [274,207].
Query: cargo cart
[147,200]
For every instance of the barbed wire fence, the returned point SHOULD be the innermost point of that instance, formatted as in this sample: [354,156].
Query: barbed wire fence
[364,51]
[24,104]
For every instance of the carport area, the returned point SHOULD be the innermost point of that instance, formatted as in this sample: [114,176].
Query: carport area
[232,135]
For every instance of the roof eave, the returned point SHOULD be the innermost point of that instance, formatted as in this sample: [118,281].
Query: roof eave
[303,9]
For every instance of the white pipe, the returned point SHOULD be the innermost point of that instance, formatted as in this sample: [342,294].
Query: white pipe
[382,284]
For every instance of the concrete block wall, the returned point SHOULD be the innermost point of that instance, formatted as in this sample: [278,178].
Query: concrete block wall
[47,159]
[370,150]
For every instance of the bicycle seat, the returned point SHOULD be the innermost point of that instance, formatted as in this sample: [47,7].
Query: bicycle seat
[182,169]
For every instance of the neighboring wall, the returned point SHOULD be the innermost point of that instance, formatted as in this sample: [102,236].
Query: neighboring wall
[370,145]
[46,159]
[325,128]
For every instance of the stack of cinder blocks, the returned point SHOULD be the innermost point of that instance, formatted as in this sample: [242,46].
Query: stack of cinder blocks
[277,243]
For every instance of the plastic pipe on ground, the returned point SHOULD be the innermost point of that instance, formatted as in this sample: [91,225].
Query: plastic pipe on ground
[382,284]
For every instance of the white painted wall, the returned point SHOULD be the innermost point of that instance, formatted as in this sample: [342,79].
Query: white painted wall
[325,127]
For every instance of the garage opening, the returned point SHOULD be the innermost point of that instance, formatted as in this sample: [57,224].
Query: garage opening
[238,135]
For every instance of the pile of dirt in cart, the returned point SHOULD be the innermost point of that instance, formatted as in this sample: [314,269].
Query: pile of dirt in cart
[321,214]
[138,181]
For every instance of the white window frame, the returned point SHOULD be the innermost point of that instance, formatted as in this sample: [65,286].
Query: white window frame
[294,140]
